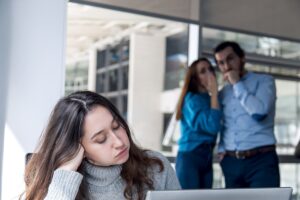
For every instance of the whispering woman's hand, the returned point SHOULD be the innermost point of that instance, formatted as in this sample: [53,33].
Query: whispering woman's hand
[212,85]
[73,164]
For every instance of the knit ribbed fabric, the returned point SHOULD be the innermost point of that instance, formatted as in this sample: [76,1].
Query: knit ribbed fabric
[105,183]
[64,185]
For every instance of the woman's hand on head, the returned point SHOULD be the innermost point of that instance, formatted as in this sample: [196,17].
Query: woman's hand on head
[73,164]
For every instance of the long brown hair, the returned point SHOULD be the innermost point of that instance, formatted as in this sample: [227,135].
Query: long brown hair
[60,143]
[190,84]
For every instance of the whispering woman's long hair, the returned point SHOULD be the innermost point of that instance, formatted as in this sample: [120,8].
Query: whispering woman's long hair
[190,84]
[60,141]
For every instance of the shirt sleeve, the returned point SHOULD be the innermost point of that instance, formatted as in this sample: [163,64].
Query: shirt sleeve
[64,185]
[259,103]
[200,118]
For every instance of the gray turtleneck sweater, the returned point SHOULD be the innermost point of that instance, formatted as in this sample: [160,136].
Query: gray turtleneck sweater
[105,182]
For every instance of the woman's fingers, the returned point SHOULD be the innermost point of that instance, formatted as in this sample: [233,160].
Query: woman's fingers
[73,164]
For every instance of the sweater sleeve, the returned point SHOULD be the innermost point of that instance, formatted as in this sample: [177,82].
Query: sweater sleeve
[64,185]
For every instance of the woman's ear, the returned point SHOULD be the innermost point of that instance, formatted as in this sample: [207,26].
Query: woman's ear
[82,147]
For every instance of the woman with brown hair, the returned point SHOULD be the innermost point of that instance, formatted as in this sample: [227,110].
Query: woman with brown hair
[200,118]
[86,152]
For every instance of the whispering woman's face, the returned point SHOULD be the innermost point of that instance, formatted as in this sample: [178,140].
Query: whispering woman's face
[104,140]
[203,71]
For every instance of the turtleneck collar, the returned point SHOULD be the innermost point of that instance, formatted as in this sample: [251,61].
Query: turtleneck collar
[101,176]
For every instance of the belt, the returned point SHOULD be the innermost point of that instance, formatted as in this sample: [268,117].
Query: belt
[250,152]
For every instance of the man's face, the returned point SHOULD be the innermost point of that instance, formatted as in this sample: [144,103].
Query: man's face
[228,60]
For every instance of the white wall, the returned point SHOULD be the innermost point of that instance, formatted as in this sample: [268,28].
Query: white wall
[36,77]
[4,48]
[147,60]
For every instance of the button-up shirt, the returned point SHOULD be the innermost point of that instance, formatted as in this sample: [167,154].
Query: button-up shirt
[248,113]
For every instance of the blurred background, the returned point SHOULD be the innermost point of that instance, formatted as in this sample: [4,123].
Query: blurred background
[135,53]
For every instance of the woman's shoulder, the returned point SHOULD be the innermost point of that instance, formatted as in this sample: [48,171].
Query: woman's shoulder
[196,99]
[165,179]
[158,155]
[155,154]
[196,96]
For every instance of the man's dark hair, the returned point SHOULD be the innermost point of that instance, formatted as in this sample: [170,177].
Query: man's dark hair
[235,46]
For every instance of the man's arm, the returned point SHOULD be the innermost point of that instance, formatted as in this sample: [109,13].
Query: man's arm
[259,103]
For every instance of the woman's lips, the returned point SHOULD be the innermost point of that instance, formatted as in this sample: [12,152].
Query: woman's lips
[122,152]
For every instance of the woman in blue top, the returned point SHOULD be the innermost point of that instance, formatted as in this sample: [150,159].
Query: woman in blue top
[199,114]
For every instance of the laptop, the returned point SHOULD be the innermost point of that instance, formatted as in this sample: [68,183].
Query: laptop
[283,193]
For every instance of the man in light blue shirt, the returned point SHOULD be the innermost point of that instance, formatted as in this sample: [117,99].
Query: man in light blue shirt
[247,144]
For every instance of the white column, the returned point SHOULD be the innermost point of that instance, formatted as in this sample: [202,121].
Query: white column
[37,30]
[146,72]
[193,43]
[92,73]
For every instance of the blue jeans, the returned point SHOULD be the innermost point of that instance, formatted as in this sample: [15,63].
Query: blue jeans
[261,170]
[194,168]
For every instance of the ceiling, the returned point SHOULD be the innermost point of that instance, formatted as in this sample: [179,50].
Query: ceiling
[88,26]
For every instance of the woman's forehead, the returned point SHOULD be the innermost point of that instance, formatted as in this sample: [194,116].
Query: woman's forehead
[98,118]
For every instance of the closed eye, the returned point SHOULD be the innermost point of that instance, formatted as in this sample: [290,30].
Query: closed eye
[101,138]
[100,141]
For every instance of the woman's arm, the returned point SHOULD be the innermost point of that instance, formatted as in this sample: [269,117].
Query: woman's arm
[64,185]
[66,180]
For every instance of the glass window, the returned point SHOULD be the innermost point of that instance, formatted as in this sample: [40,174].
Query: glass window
[266,46]
[276,71]
[114,101]
[176,59]
[100,85]
[76,76]
[101,56]
[114,56]
[166,120]
[113,80]
[124,102]
[287,119]
[124,74]
[125,51]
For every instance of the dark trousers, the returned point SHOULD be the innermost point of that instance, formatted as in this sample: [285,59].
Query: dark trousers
[261,170]
[194,168]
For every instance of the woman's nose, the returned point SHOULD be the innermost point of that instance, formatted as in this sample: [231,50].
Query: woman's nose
[117,141]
